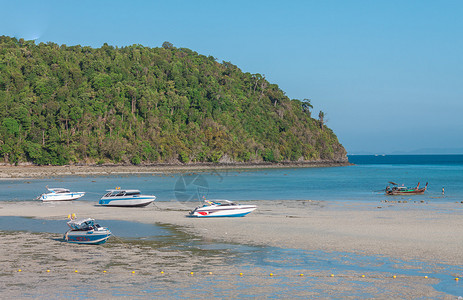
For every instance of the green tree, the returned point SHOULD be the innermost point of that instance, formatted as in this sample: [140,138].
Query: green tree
[321,119]
[11,126]
[307,106]
[135,104]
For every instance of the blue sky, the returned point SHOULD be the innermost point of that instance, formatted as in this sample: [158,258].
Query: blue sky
[388,74]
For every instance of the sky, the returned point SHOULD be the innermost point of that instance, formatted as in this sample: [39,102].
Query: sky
[387,74]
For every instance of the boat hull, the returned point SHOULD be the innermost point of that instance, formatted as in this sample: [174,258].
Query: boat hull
[211,212]
[404,191]
[136,201]
[61,197]
[412,192]
[94,237]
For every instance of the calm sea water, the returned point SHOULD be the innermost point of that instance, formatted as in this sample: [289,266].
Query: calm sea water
[364,181]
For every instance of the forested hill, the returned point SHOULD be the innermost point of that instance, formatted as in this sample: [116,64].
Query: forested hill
[73,104]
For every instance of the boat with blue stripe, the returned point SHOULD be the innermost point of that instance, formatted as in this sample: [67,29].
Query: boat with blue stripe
[86,231]
[59,194]
[125,198]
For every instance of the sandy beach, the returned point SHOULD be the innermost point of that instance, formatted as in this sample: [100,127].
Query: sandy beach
[410,231]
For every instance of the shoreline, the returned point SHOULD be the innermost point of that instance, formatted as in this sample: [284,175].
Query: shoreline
[33,171]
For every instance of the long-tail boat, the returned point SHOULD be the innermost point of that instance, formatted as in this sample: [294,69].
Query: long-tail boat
[402,190]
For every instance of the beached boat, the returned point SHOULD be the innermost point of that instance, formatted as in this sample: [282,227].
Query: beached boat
[402,190]
[221,208]
[86,231]
[60,194]
[125,198]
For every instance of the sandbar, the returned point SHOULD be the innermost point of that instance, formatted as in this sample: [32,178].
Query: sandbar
[424,231]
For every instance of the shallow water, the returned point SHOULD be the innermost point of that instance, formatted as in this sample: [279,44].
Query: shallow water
[119,228]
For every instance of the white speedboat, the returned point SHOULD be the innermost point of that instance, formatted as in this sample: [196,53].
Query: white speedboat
[59,194]
[222,208]
[86,231]
[118,197]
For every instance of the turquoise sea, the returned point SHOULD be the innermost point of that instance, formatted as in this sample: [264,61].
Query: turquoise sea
[363,181]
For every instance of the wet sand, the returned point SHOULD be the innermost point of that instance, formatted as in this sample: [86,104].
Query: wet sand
[406,231]
[428,232]
[51,269]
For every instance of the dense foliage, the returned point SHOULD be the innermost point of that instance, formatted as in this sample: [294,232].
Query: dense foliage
[73,104]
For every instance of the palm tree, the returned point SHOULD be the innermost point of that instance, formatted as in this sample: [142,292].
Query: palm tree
[306,106]
[321,119]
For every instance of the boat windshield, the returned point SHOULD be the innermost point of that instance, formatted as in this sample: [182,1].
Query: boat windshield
[220,202]
[121,193]
[130,193]
[59,191]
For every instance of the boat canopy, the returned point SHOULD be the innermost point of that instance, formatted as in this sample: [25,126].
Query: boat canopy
[81,224]
[58,190]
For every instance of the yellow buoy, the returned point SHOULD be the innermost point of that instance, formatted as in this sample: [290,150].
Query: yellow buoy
[301,274]
[104,271]
[75,271]
[162,272]
[363,276]
[332,275]
[426,277]
[271,274]
[133,272]
[457,279]
[48,271]
[394,276]
[241,274]
[19,270]
[192,273]
[210,273]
